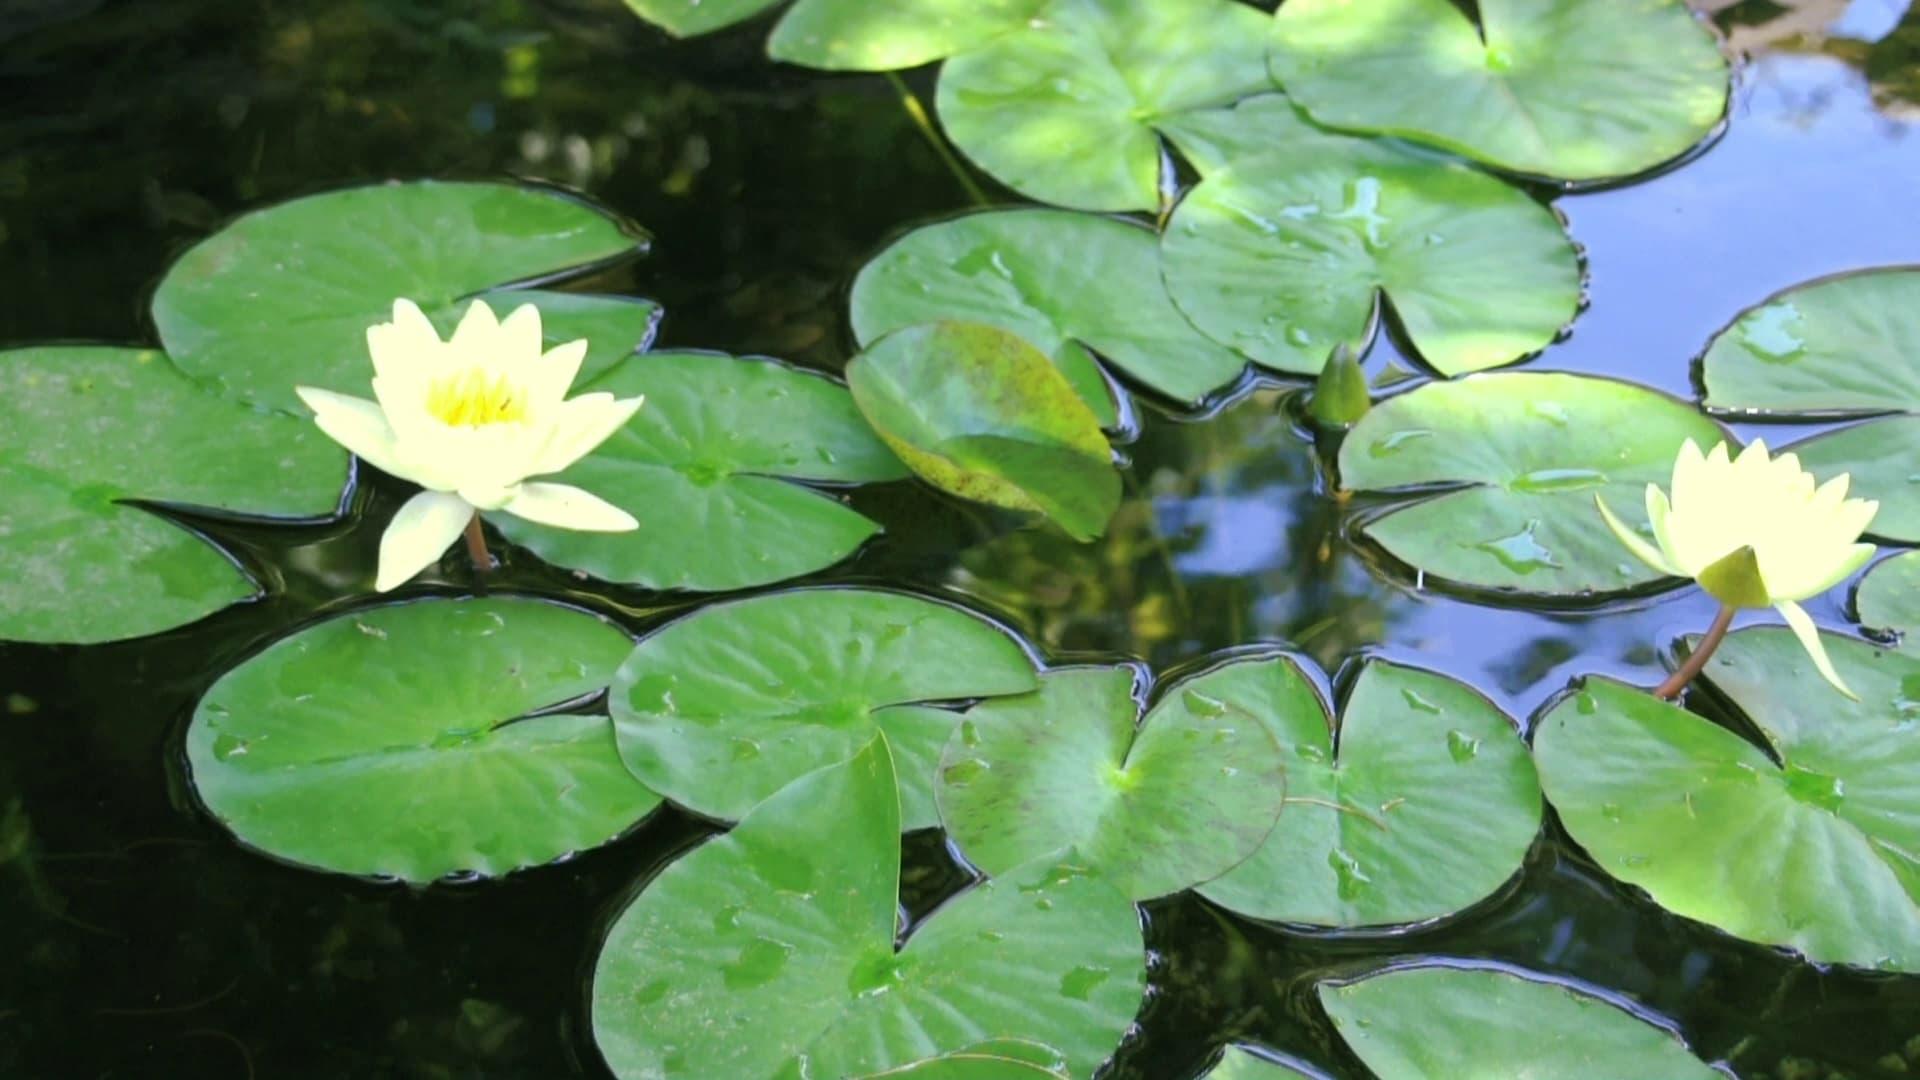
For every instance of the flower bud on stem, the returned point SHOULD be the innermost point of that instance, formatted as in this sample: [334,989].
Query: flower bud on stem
[1696,660]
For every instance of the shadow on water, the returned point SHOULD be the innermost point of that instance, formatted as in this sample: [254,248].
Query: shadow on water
[141,940]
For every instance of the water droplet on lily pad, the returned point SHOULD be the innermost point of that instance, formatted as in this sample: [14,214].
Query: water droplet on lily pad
[1520,552]
[1352,880]
[1773,332]
[1417,702]
[1462,746]
[1551,481]
[1200,704]
[1393,443]
[1079,983]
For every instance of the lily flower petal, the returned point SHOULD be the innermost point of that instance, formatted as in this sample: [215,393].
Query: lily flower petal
[1803,628]
[567,507]
[583,424]
[419,534]
[357,424]
[1642,550]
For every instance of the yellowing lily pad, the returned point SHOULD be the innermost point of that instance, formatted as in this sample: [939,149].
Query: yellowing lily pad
[722,708]
[284,296]
[421,740]
[717,468]
[85,429]
[1576,90]
[1492,478]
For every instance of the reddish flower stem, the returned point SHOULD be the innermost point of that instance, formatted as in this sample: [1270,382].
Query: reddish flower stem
[477,546]
[1697,659]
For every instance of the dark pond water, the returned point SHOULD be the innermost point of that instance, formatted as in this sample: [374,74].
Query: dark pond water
[137,940]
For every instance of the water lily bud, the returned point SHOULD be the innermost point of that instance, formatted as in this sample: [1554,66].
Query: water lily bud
[1340,395]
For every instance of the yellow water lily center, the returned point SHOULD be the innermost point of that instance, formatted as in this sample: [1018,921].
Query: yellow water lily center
[1755,531]
[471,419]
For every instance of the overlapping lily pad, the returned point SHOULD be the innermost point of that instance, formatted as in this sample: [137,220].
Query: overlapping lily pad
[1421,802]
[283,296]
[420,740]
[852,35]
[770,952]
[1068,110]
[1840,348]
[1518,459]
[1421,1023]
[1577,90]
[83,428]
[979,412]
[1889,599]
[1239,1064]
[724,707]
[1153,805]
[1059,279]
[1284,255]
[1808,843]
[1000,1059]
[709,467]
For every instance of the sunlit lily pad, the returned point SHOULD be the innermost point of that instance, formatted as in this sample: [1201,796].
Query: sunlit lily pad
[1285,255]
[1066,111]
[1421,802]
[1153,805]
[1422,1023]
[1518,459]
[82,428]
[770,952]
[1844,347]
[417,741]
[1000,1059]
[981,413]
[1815,853]
[1059,279]
[1889,599]
[1575,90]
[724,707]
[860,35]
[1239,1064]
[708,468]
[283,296]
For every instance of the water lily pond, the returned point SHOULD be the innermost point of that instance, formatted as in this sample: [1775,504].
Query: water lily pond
[1146,539]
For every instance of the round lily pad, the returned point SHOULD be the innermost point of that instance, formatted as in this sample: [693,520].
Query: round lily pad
[859,35]
[1423,1023]
[770,951]
[1066,110]
[1000,1059]
[1153,805]
[709,468]
[1889,599]
[1808,843]
[419,740]
[979,412]
[722,708]
[1284,257]
[1060,280]
[686,18]
[1422,801]
[1844,347]
[82,429]
[1518,459]
[1577,90]
[1241,1064]
[284,296]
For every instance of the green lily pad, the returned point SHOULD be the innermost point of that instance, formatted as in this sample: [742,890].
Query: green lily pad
[83,428]
[999,1059]
[1421,803]
[1060,280]
[1239,1064]
[1285,255]
[284,296]
[1068,110]
[1153,805]
[1519,458]
[1889,598]
[769,952]
[1839,348]
[1422,1023]
[1814,853]
[708,467]
[686,18]
[979,412]
[859,35]
[414,741]
[722,708]
[1576,90]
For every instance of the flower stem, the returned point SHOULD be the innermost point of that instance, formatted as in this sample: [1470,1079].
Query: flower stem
[918,114]
[477,547]
[1697,659]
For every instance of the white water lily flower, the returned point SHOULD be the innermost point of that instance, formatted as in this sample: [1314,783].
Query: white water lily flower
[471,419]
[1755,532]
